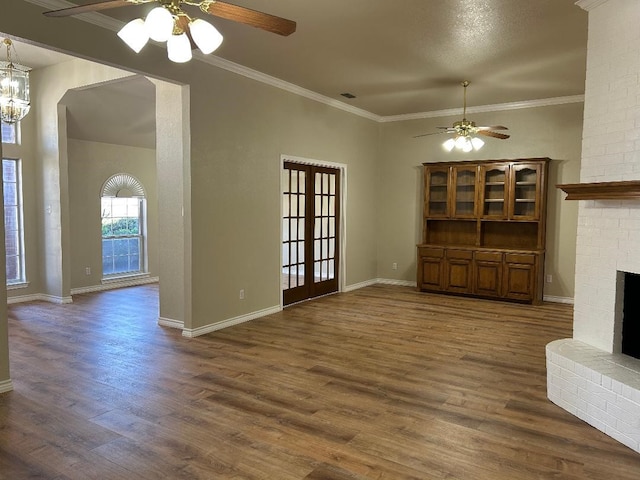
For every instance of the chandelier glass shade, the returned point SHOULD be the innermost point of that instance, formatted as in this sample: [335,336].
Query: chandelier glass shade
[14,88]
[163,24]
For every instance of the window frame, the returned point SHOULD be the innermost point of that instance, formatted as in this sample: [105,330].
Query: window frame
[21,264]
[141,236]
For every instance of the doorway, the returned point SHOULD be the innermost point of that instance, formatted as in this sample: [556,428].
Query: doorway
[310,231]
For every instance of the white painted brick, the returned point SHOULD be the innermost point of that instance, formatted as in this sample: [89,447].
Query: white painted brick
[601,415]
[600,395]
[612,432]
[622,416]
[592,421]
[573,380]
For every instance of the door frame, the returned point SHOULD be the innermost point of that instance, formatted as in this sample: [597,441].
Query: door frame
[342,236]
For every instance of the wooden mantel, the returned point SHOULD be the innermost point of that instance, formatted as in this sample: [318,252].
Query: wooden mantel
[602,190]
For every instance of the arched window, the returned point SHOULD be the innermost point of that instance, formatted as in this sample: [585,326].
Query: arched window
[123,226]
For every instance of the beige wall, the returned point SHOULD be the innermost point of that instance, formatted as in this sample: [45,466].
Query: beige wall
[90,165]
[552,131]
[48,87]
[239,129]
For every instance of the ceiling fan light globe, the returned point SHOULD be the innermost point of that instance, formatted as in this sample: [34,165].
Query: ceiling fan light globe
[134,34]
[477,143]
[206,36]
[448,145]
[159,24]
[179,48]
[461,142]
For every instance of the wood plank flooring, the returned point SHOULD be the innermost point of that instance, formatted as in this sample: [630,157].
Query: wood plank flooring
[379,383]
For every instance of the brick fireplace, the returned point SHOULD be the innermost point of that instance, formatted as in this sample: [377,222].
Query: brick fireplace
[587,375]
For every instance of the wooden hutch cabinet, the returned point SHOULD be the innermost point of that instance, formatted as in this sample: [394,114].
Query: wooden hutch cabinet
[484,228]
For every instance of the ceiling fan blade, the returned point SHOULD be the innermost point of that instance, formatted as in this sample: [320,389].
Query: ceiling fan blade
[494,127]
[489,133]
[428,134]
[267,22]
[183,23]
[451,129]
[90,7]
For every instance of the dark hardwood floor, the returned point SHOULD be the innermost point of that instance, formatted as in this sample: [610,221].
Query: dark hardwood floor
[379,383]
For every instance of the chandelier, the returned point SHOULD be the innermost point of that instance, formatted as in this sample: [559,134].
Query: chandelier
[169,23]
[14,88]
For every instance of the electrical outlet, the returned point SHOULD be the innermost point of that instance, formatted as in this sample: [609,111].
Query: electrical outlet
[87,271]
[394,266]
[549,279]
[242,294]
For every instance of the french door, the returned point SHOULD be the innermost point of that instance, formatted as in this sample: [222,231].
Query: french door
[310,231]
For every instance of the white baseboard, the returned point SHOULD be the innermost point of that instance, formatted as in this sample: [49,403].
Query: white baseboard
[401,283]
[357,286]
[171,323]
[39,297]
[551,298]
[196,332]
[132,282]
[6,386]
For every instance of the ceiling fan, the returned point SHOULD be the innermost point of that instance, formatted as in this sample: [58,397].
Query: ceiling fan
[464,131]
[170,22]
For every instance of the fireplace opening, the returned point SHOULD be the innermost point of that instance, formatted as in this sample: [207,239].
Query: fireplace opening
[631,315]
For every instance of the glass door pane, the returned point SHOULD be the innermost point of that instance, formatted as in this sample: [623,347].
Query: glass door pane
[465,192]
[525,191]
[495,190]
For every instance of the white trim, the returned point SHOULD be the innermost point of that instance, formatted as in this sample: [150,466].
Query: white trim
[18,285]
[589,5]
[401,283]
[6,386]
[554,299]
[109,23]
[171,323]
[499,107]
[39,297]
[358,286]
[116,283]
[196,332]
[24,298]
[94,18]
[342,273]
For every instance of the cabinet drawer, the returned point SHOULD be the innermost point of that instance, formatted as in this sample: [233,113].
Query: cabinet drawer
[520,258]
[489,256]
[461,254]
[431,252]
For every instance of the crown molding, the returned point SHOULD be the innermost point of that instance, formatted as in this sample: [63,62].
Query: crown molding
[94,18]
[109,23]
[499,107]
[589,5]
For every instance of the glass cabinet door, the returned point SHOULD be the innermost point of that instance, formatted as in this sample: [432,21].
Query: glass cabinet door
[525,184]
[464,192]
[494,191]
[437,192]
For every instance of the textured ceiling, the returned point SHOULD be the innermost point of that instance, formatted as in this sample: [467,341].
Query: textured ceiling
[403,57]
